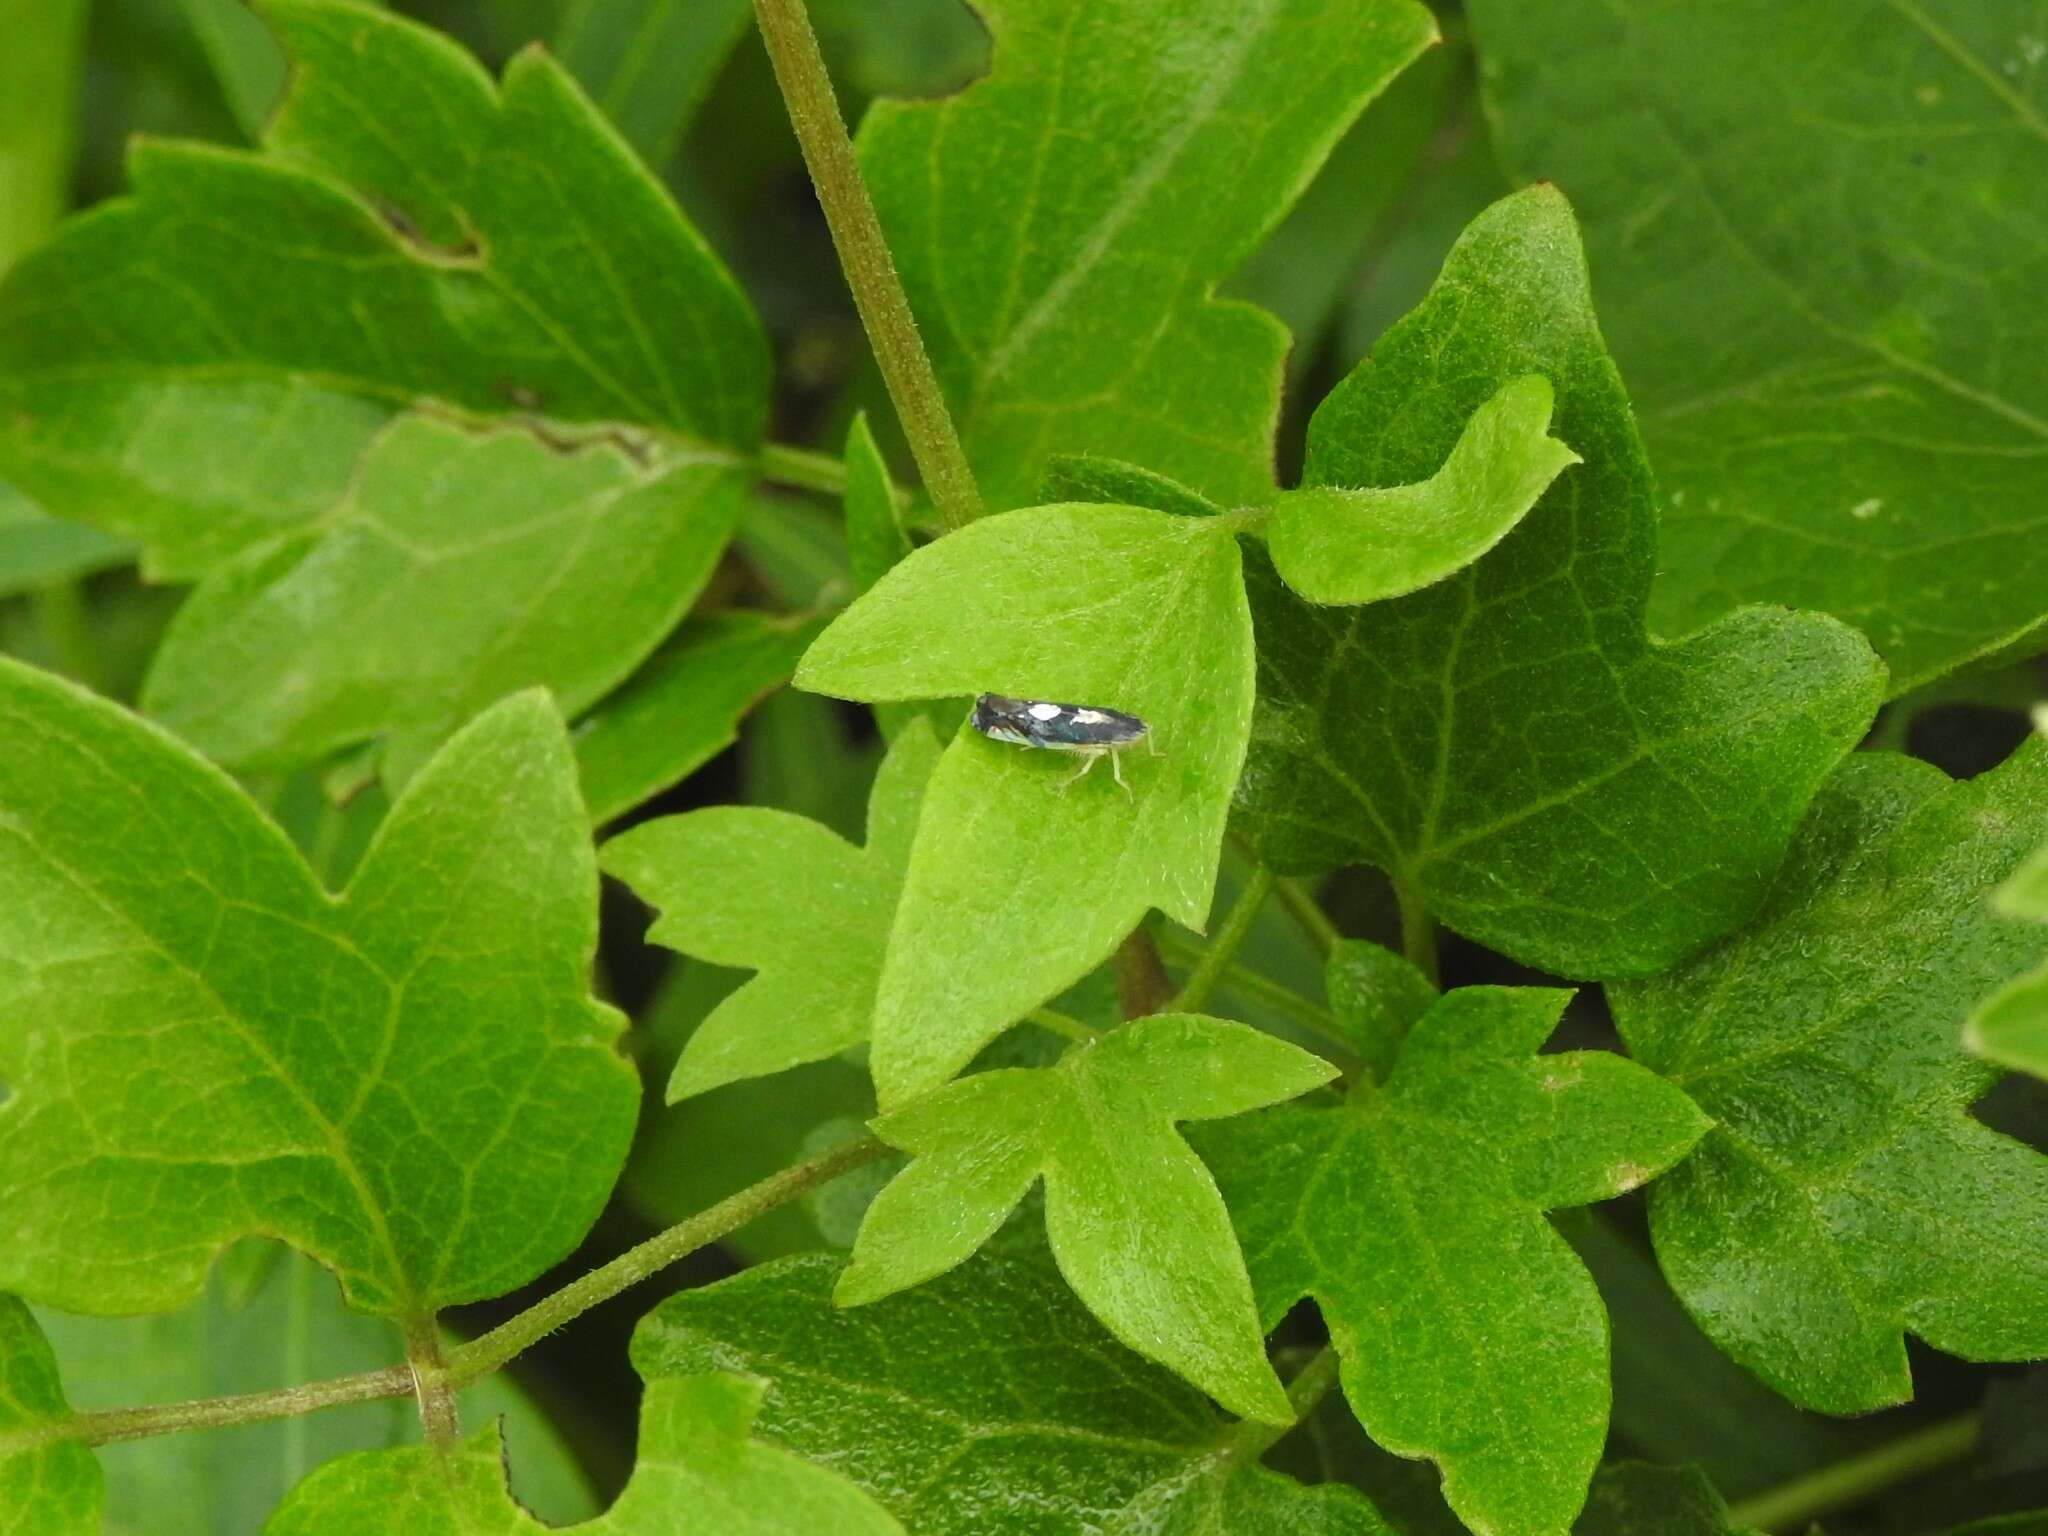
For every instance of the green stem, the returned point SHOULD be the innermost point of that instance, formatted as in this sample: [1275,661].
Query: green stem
[1241,978]
[1064,1024]
[432,1389]
[1308,915]
[429,1372]
[484,1354]
[803,469]
[1208,970]
[61,615]
[1418,932]
[864,256]
[1791,1506]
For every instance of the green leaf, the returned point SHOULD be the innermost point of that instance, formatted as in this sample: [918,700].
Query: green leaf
[1067,301]
[723,880]
[1377,997]
[47,1487]
[245,58]
[282,1326]
[1811,227]
[369,625]
[648,63]
[409,1082]
[1846,1195]
[1413,1214]
[875,540]
[1050,1428]
[684,706]
[1338,544]
[1510,744]
[698,1474]
[270,355]
[39,551]
[1019,883]
[1134,1218]
[2011,1026]
[1634,1498]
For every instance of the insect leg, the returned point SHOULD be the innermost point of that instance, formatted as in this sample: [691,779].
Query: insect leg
[1117,773]
[1087,762]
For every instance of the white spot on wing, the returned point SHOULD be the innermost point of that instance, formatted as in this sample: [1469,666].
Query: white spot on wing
[1089,717]
[1044,711]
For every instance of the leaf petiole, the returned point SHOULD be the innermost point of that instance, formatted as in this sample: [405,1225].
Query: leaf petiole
[1236,925]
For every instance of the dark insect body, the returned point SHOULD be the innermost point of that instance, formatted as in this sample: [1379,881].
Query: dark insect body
[1084,729]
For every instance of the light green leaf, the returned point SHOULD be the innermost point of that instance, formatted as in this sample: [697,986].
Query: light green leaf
[759,1126]
[683,707]
[514,265]
[648,62]
[409,1082]
[38,551]
[1510,744]
[47,1487]
[1815,228]
[269,355]
[1846,1195]
[2011,1026]
[1634,1498]
[1019,883]
[1065,1433]
[269,1319]
[698,1474]
[784,896]
[1413,1214]
[370,625]
[1067,303]
[875,540]
[1133,1216]
[1340,544]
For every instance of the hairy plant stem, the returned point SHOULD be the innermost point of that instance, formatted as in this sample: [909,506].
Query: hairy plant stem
[1793,1506]
[864,255]
[430,1374]
[1237,923]
[484,1354]
[431,1388]
[1418,932]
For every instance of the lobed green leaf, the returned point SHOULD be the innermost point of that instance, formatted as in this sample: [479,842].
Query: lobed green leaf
[1049,1428]
[409,1081]
[2011,1026]
[1820,234]
[1469,1332]
[1019,882]
[1334,544]
[1510,744]
[1134,1219]
[727,882]
[1061,225]
[1845,1194]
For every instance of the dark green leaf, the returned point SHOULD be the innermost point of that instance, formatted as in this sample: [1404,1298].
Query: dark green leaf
[1061,224]
[47,1488]
[648,62]
[244,55]
[1019,882]
[1413,1214]
[1339,544]
[38,551]
[1134,1218]
[410,1081]
[1510,744]
[1633,1498]
[1815,229]
[1846,1195]
[683,707]
[1377,997]
[698,1474]
[1051,1429]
